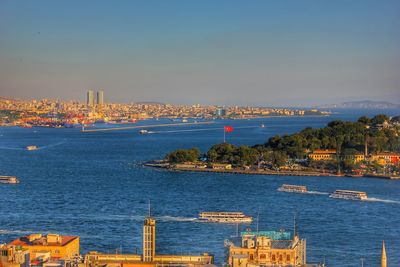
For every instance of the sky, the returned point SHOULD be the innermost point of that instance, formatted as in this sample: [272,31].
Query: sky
[264,53]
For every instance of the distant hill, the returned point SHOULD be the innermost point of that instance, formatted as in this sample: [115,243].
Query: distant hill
[367,104]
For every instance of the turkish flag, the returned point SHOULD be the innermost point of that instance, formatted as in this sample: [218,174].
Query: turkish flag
[228,129]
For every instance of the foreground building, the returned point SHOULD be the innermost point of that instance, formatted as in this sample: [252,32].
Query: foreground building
[51,247]
[268,248]
[149,258]
[13,256]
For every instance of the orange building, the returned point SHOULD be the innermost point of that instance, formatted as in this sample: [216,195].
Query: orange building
[58,246]
[386,158]
[323,154]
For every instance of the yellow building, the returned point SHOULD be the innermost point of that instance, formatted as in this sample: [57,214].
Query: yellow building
[149,257]
[221,166]
[268,248]
[191,165]
[356,157]
[323,154]
[59,247]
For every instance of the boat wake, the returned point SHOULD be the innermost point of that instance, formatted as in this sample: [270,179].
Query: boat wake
[165,218]
[176,219]
[11,148]
[52,145]
[7,232]
[373,199]
[317,193]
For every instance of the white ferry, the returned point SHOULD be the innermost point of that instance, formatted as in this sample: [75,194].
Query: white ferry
[31,148]
[347,194]
[293,188]
[225,217]
[9,180]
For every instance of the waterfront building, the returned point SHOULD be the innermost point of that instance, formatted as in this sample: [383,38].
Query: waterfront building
[14,256]
[57,246]
[191,165]
[149,258]
[386,158]
[323,154]
[221,166]
[356,157]
[90,98]
[268,248]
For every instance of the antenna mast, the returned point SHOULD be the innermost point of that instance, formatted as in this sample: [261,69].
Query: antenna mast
[149,209]
[258,215]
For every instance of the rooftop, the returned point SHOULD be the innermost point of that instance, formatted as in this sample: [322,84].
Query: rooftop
[274,235]
[41,240]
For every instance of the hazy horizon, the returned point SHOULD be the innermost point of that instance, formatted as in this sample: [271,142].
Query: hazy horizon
[259,53]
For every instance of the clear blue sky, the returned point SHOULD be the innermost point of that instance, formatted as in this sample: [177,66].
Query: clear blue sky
[271,53]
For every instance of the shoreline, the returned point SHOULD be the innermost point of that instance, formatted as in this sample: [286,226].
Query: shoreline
[167,166]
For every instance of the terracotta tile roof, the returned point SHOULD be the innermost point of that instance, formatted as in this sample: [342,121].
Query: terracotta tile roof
[24,241]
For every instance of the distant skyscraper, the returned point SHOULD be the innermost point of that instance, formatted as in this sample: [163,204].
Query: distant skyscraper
[100,98]
[220,112]
[90,98]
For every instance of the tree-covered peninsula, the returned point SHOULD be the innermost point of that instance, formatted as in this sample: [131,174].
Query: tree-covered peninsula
[370,143]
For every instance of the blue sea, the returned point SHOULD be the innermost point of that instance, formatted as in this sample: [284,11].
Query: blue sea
[94,185]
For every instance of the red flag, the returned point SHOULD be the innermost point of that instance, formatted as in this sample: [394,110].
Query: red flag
[228,129]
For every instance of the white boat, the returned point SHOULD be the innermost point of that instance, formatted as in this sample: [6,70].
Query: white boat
[348,194]
[224,217]
[143,131]
[293,188]
[9,180]
[31,148]
[262,125]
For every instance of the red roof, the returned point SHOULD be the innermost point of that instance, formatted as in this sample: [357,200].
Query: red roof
[24,241]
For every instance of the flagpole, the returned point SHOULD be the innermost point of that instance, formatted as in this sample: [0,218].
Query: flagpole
[224,134]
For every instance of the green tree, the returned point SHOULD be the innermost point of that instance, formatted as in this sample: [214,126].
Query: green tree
[183,155]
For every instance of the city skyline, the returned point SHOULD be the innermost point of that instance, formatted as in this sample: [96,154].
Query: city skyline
[263,53]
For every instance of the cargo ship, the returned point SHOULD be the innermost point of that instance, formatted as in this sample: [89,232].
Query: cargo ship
[224,217]
[293,188]
[9,180]
[347,194]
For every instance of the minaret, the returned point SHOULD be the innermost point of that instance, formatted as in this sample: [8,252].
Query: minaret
[149,238]
[383,255]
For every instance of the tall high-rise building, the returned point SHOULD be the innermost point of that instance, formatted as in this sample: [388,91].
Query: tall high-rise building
[100,98]
[90,98]
[149,239]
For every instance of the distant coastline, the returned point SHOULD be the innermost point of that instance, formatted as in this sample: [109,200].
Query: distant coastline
[366,104]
